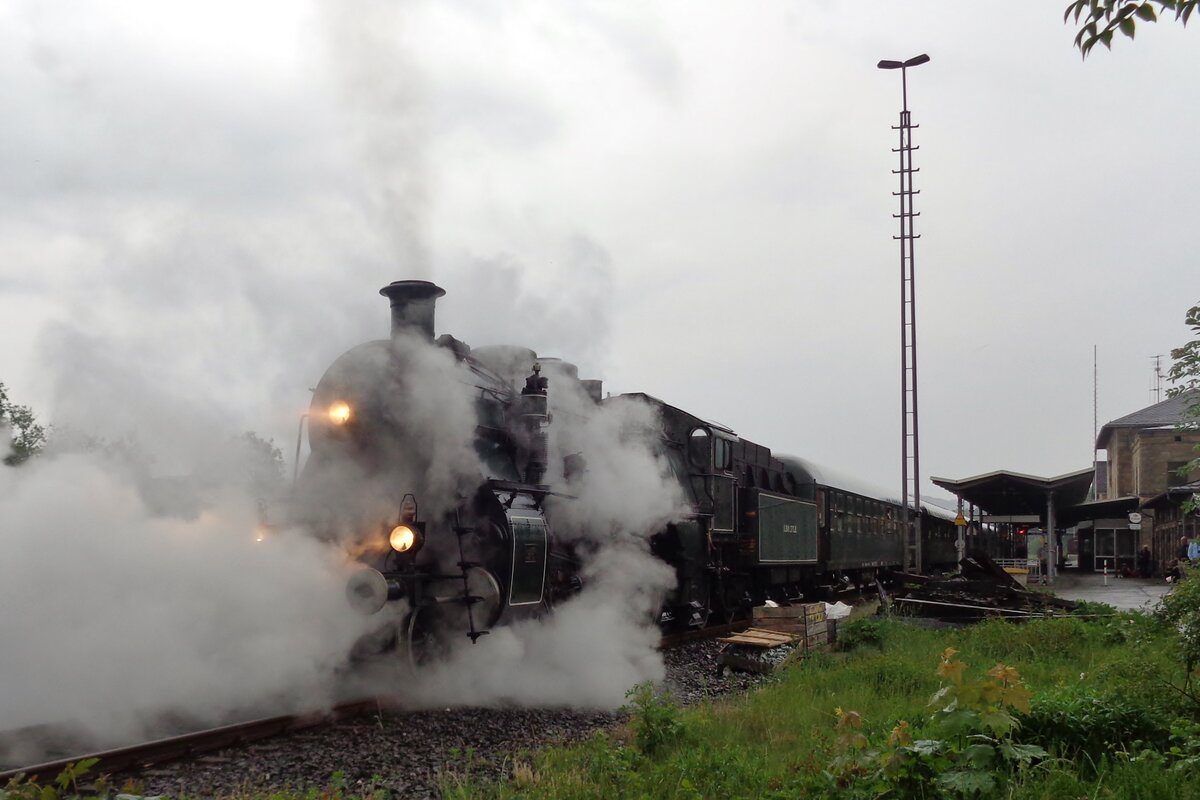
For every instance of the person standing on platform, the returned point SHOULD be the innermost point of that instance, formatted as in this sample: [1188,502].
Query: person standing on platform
[1144,562]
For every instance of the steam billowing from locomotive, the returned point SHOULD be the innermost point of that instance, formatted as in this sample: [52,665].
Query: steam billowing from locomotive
[483,488]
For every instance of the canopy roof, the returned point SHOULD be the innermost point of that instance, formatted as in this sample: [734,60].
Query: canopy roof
[1011,493]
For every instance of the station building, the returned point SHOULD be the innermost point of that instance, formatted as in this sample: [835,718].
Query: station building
[1088,511]
[1146,452]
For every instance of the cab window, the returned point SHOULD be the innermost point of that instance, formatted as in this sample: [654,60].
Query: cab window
[723,455]
[698,447]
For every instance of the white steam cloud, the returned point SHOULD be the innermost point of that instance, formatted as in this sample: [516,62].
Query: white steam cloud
[379,87]
[133,585]
[594,647]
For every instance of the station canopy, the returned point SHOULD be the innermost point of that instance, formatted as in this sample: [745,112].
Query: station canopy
[1004,493]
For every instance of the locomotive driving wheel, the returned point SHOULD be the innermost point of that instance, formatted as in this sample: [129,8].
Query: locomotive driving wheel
[433,631]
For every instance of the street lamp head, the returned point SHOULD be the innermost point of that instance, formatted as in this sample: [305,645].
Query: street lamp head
[912,62]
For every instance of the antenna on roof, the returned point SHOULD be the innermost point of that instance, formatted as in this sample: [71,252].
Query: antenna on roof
[1156,389]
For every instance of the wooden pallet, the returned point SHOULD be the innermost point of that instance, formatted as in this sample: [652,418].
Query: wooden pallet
[761,637]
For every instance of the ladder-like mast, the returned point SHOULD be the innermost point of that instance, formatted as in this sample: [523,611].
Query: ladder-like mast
[910,441]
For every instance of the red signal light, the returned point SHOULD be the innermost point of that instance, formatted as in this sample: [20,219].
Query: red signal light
[1022,531]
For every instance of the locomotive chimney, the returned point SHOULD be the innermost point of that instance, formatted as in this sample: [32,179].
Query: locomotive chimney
[413,305]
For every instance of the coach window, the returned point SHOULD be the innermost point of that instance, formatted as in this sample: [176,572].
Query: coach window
[698,447]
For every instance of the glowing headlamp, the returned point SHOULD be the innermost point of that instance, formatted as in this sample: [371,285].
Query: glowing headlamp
[403,538]
[339,413]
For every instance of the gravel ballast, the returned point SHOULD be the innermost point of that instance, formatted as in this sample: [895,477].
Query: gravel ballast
[406,753]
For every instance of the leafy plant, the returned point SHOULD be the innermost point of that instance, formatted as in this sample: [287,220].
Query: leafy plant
[656,721]
[66,785]
[1185,374]
[1073,722]
[969,748]
[1180,609]
[861,632]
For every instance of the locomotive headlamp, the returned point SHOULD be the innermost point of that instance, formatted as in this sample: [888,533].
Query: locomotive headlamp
[339,413]
[403,538]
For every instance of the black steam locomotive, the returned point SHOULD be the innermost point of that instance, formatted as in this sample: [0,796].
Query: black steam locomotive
[432,462]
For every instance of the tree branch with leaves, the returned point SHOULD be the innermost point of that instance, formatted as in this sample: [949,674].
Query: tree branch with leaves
[1103,19]
[28,436]
[1185,374]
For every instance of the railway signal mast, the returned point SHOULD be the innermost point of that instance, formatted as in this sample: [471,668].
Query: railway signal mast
[910,462]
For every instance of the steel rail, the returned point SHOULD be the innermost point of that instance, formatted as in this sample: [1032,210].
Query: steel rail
[709,632]
[173,748]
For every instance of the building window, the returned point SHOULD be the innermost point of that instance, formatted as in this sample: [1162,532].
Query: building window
[1174,468]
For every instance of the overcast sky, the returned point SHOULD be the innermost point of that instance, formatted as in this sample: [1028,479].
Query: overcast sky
[689,199]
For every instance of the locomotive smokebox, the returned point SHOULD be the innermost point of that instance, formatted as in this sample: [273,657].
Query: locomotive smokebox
[413,304]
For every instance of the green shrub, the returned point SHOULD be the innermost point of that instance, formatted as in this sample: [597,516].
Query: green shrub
[655,719]
[1180,609]
[967,749]
[1071,722]
[1141,678]
[861,632]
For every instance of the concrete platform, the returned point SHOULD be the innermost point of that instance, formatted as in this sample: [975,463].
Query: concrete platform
[1124,594]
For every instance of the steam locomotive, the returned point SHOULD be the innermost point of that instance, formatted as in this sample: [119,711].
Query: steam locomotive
[443,469]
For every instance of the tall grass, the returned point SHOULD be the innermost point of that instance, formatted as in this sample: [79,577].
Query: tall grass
[779,741]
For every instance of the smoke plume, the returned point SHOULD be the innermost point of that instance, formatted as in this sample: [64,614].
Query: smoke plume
[137,581]
[593,648]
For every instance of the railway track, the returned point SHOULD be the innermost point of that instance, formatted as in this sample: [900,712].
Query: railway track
[198,743]
[140,756]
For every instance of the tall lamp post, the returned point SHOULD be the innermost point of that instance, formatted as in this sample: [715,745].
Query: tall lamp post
[909,438]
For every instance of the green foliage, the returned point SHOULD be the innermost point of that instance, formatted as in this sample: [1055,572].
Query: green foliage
[969,749]
[1073,721]
[861,632]
[1089,610]
[1055,638]
[1102,19]
[28,437]
[655,719]
[782,741]
[1180,610]
[67,785]
[1144,678]
[1185,374]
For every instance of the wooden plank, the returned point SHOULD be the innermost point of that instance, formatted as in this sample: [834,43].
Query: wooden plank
[757,637]
[748,641]
[766,612]
[771,638]
[793,625]
[765,631]
[784,626]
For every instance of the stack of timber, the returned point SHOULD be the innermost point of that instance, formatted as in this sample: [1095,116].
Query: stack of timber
[779,635]
[981,589]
